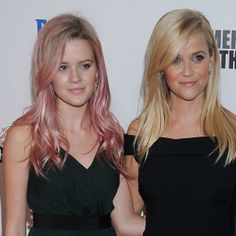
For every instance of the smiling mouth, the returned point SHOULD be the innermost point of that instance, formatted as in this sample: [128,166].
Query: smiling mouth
[188,83]
[76,90]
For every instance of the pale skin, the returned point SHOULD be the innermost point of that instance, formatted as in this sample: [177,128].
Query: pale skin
[186,78]
[74,86]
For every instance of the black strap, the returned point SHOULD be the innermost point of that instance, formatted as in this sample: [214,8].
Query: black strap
[63,222]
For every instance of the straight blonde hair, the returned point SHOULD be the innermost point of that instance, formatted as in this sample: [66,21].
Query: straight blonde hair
[169,36]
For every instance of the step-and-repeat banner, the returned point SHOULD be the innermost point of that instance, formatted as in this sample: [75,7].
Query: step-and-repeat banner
[124,28]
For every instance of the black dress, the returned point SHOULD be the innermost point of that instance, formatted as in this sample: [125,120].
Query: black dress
[74,191]
[186,191]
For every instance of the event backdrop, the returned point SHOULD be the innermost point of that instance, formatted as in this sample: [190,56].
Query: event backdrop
[124,27]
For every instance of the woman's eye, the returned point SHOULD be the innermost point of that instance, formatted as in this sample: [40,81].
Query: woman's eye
[86,66]
[198,58]
[176,61]
[62,67]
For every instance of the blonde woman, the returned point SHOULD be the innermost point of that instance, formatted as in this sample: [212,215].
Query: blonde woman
[184,140]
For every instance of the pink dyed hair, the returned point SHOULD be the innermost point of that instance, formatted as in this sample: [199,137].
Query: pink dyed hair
[42,115]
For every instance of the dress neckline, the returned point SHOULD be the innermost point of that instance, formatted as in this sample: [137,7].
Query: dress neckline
[182,138]
[77,161]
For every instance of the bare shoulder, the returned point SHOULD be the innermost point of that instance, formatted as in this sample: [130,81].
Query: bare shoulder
[18,133]
[134,127]
[17,141]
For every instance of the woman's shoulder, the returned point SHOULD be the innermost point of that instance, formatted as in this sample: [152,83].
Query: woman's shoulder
[16,144]
[19,132]
[133,127]
[17,135]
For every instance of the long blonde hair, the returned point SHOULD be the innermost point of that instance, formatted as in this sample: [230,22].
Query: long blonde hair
[169,36]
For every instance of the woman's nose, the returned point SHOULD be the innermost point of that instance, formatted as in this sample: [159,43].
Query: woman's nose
[75,76]
[187,69]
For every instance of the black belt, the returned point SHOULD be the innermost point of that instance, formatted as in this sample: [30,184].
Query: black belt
[63,222]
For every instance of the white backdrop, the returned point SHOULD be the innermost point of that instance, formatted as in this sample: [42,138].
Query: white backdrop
[124,28]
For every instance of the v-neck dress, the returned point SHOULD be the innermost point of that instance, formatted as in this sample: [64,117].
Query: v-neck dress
[186,191]
[74,191]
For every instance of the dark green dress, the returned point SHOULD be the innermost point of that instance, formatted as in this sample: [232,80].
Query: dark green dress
[74,191]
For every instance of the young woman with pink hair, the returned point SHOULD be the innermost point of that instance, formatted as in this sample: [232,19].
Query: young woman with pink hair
[63,157]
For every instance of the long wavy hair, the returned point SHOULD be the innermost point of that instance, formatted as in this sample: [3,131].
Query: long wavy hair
[169,36]
[47,135]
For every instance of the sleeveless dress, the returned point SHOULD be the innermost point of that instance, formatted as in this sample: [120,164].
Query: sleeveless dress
[74,191]
[186,190]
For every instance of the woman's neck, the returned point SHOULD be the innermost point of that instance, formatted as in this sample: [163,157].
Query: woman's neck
[185,120]
[74,119]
